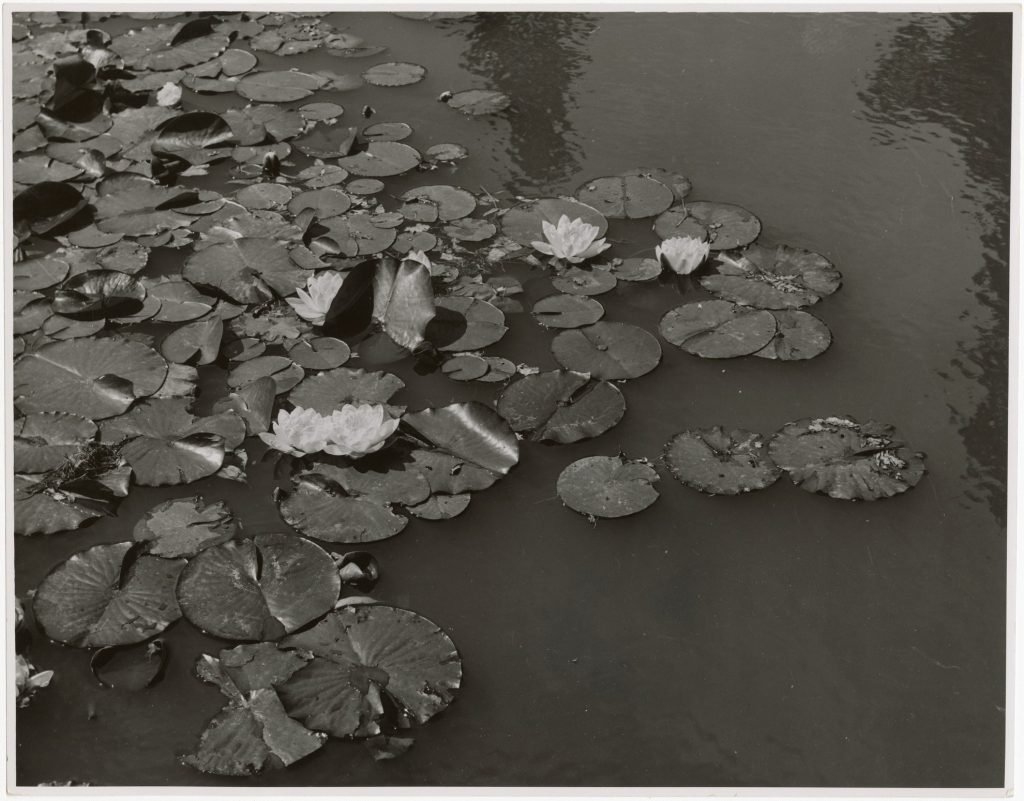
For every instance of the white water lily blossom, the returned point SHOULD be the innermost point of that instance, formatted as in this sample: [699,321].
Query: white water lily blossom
[357,429]
[298,432]
[313,303]
[683,254]
[571,240]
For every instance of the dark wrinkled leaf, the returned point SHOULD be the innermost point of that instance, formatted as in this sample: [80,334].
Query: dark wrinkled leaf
[46,206]
[44,440]
[721,462]
[773,278]
[608,486]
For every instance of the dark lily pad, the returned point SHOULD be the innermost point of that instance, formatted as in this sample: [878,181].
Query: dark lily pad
[841,458]
[91,378]
[248,270]
[801,335]
[718,329]
[476,102]
[99,294]
[281,86]
[429,204]
[320,507]
[361,653]
[465,323]
[724,225]
[329,390]
[195,343]
[252,733]
[608,486]
[523,223]
[359,570]
[394,73]
[469,431]
[46,206]
[721,462]
[561,406]
[446,152]
[129,667]
[258,589]
[106,596]
[43,441]
[608,351]
[630,197]
[381,160]
[42,506]
[183,527]
[773,278]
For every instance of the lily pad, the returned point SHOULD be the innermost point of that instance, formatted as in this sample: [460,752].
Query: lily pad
[718,329]
[631,197]
[430,204]
[465,323]
[524,223]
[561,406]
[43,441]
[403,301]
[394,73]
[253,402]
[319,353]
[841,458]
[44,506]
[773,278]
[721,462]
[195,343]
[387,132]
[361,653]
[475,102]
[441,507]
[468,431]
[608,486]
[46,206]
[284,371]
[470,230]
[451,475]
[354,235]
[328,391]
[258,589]
[465,367]
[724,225]
[327,142]
[608,351]
[129,667]
[106,596]
[41,272]
[249,270]
[320,507]
[800,335]
[282,86]
[183,527]
[326,202]
[584,281]
[99,294]
[636,269]
[381,160]
[91,378]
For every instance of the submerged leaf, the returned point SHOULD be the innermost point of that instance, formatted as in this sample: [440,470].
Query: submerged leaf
[129,667]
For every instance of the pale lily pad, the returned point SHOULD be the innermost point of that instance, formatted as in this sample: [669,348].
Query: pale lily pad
[469,431]
[258,589]
[801,335]
[394,73]
[281,86]
[387,132]
[446,152]
[524,223]
[320,507]
[43,441]
[561,406]
[465,367]
[106,596]
[718,329]
[361,653]
[773,278]
[608,486]
[430,204]
[183,527]
[584,281]
[381,160]
[249,270]
[636,269]
[91,378]
[630,197]
[403,301]
[263,196]
[841,458]
[724,225]
[721,462]
[328,391]
[608,351]
[475,102]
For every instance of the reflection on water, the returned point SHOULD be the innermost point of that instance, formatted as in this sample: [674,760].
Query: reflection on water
[949,70]
[534,58]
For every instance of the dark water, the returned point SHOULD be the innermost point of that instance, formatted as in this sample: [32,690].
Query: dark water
[775,639]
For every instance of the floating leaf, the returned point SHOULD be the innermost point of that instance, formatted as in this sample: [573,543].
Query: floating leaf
[387,132]
[319,507]
[95,379]
[394,73]
[129,667]
[721,462]
[465,367]
[608,486]
[258,589]
[319,353]
[281,86]
[326,202]
[584,281]
[524,223]
[42,508]
[195,343]
[327,142]
[46,206]
[441,506]
[285,373]
[429,204]
[841,458]
[99,294]
[718,329]
[724,225]
[41,272]
[253,402]
[561,406]
[136,207]
[470,230]
[464,323]
[183,527]
[403,300]
[43,441]
[626,196]
[249,270]
[355,235]
[475,102]
[636,269]
[188,135]
[381,160]
[450,475]
[104,596]
[608,351]
[800,336]
[361,653]
[773,278]
[329,390]
[469,431]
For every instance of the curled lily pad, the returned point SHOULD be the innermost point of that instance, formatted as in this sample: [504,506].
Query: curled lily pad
[99,294]
[394,73]
[108,595]
[524,223]
[248,270]
[841,458]
[608,486]
[320,507]
[381,160]
[724,225]
[189,136]
[718,329]
[129,667]
[469,431]
[721,462]
[475,102]
[95,379]
[773,278]
[46,206]
[258,589]
[280,86]
[429,204]
[327,391]
[800,335]
[46,505]
[403,301]
[183,527]
[252,733]
[626,196]
[361,654]
[608,351]
[561,406]
[43,441]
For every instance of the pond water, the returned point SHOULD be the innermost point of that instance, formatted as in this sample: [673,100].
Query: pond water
[778,638]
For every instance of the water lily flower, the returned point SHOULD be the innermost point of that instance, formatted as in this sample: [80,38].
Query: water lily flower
[683,254]
[298,432]
[314,301]
[27,680]
[357,429]
[571,240]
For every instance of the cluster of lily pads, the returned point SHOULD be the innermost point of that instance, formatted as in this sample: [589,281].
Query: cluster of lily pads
[282,283]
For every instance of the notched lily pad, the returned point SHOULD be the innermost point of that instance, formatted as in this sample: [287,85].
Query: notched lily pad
[773,278]
[721,462]
[724,225]
[561,406]
[43,441]
[327,391]
[320,507]
[630,197]
[183,527]
[524,223]
[800,335]
[608,486]
[381,160]
[718,329]
[608,351]
[129,667]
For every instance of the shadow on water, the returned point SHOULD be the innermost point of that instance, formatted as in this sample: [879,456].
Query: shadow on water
[534,58]
[948,70]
